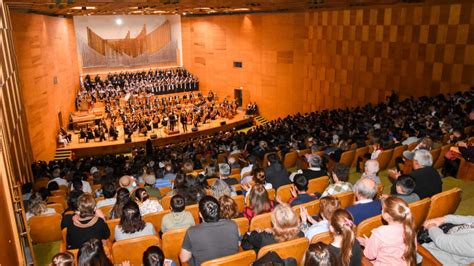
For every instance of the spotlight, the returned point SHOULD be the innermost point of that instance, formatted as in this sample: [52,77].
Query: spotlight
[119,21]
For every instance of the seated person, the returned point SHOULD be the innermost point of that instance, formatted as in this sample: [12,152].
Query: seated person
[108,190]
[220,188]
[127,182]
[131,224]
[371,168]
[275,173]
[365,207]
[286,226]
[72,198]
[92,253]
[146,204]
[154,256]
[258,177]
[214,238]
[58,176]
[224,173]
[340,176]
[299,191]
[85,186]
[123,197]
[233,163]
[150,181]
[454,247]
[228,208]
[344,245]
[259,202]
[36,206]
[328,205]
[178,217]
[319,254]
[86,224]
[63,259]
[314,170]
[405,185]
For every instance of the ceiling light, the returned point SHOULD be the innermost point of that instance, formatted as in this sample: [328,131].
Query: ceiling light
[118,21]
[241,9]
[83,7]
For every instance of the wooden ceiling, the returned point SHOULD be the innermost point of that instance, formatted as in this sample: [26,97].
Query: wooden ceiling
[186,7]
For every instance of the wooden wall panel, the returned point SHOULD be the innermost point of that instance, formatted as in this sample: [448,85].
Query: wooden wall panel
[299,62]
[46,51]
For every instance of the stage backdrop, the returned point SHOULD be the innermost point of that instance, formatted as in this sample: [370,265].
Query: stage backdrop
[136,41]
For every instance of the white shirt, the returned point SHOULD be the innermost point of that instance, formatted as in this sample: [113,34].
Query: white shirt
[292,176]
[60,181]
[47,211]
[150,206]
[86,187]
[246,169]
[106,202]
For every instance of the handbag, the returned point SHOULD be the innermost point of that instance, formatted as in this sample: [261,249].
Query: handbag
[423,235]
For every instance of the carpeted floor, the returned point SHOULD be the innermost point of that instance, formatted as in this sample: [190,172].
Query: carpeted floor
[44,252]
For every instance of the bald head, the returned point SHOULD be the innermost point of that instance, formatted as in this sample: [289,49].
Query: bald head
[365,188]
[371,167]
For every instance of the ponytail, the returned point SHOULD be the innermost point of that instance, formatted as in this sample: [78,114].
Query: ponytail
[348,237]
[343,224]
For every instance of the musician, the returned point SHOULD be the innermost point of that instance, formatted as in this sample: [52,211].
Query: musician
[127,129]
[113,132]
[90,134]
[65,135]
[172,118]
[183,118]
[142,128]
[83,134]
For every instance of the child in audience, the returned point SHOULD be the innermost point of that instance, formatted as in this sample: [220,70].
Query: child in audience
[392,244]
[318,254]
[63,259]
[405,185]
[345,245]
[178,217]
[154,256]
[328,205]
[92,253]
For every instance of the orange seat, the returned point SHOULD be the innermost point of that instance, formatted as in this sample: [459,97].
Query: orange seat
[347,157]
[326,238]
[439,163]
[379,191]
[57,207]
[166,202]
[241,258]
[444,203]
[271,193]
[397,152]
[194,210]
[111,224]
[261,221]
[99,199]
[58,199]
[106,209]
[384,159]
[237,187]
[290,249]
[346,199]
[466,170]
[318,184]
[313,207]
[132,249]
[211,181]
[284,192]
[95,187]
[240,201]
[412,146]
[365,227]
[290,159]
[435,154]
[59,192]
[235,171]
[419,211]
[155,219]
[221,157]
[45,228]
[428,258]
[172,242]
[243,224]
[164,190]
[359,153]
[40,183]
[265,160]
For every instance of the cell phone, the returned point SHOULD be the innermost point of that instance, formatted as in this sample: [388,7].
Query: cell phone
[168,262]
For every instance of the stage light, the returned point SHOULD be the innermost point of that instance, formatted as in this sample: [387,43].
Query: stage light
[119,21]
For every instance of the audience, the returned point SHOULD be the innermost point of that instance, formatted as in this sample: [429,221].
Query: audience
[365,207]
[92,253]
[154,256]
[259,202]
[345,245]
[146,204]
[405,185]
[123,197]
[63,259]
[394,243]
[86,224]
[214,238]
[299,191]
[340,178]
[314,170]
[178,217]
[131,224]
[328,205]
[109,191]
[371,169]
[276,174]
[36,206]
[318,254]
[228,208]
[285,226]
[220,188]
[224,173]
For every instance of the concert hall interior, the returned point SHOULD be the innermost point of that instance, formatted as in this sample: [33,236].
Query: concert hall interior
[236,128]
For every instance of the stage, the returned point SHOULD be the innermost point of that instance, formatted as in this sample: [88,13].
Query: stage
[82,149]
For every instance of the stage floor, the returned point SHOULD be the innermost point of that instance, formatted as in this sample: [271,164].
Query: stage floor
[119,146]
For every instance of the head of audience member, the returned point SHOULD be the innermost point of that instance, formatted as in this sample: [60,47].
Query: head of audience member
[86,205]
[343,227]
[72,199]
[126,182]
[328,205]
[273,159]
[52,186]
[36,205]
[131,219]
[44,192]
[259,176]
[231,160]
[177,203]
[141,195]
[318,255]
[285,223]
[228,208]
[123,197]
[109,191]
[340,173]
[92,253]
[396,210]
[63,259]
[180,181]
[251,160]
[371,168]
[421,159]
[188,168]
[56,171]
[77,183]
[169,168]
[224,170]
[149,180]
[405,185]
[153,256]
[301,183]
[220,188]
[259,201]
[365,189]
[26,188]
[209,209]
[314,161]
